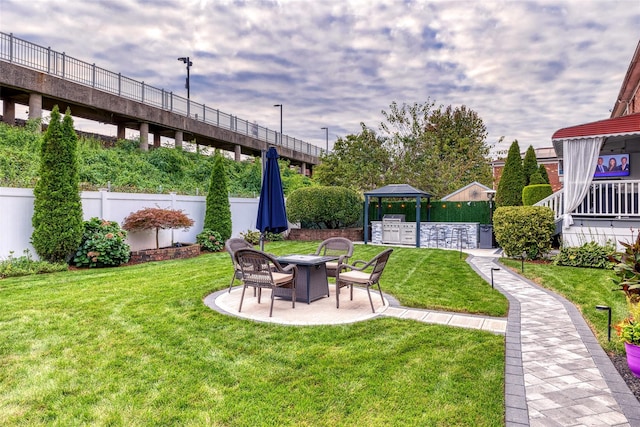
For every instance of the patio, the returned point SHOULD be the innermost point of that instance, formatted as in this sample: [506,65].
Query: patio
[320,312]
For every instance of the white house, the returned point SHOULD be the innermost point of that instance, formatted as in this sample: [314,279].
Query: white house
[601,203]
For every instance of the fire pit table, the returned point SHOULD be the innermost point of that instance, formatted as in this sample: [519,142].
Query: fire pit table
[312,283]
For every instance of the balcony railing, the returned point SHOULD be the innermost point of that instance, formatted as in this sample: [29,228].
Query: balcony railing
[46,60]
[613,199]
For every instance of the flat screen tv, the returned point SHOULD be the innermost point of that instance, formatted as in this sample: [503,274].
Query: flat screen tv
[612,165]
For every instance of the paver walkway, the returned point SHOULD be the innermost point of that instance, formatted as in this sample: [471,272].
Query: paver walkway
[556,372]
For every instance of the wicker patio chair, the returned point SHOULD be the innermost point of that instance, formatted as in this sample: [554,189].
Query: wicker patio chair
[350,275]
[262,271]
[335,246]
[232,245]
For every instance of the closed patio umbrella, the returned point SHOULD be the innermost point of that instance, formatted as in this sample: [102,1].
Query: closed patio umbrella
[272,215]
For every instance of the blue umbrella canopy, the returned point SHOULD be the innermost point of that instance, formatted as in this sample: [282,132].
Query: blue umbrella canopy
[272,215]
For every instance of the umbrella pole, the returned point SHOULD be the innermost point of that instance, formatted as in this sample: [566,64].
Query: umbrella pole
[262,242]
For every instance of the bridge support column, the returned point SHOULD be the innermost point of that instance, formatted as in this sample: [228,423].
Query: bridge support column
[156,140]
[144,136]
[9,112]
[303,168]
[122,131]
[178,138]
[35,106]
[238,151]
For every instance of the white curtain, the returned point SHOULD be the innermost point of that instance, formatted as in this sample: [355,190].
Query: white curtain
[580,157]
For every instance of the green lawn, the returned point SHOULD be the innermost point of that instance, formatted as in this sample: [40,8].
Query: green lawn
[136,346]
[585,288]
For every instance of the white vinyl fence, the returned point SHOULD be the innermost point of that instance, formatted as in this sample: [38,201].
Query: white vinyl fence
[16,210]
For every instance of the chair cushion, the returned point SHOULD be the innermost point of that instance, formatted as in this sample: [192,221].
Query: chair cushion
[332,265]
[355,276]
[280,278]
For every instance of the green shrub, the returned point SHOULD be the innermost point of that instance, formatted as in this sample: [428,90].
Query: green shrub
[529,165]
[57,209]
[512,180]
[543,173]
[537,178]
[532,194]
[210,240]
[273,237]
[103,245]
[591,255]
[218,210]
[521,229]
[26,265]
[251,236]
[324,207]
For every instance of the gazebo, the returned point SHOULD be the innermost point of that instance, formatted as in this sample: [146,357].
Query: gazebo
[394,191]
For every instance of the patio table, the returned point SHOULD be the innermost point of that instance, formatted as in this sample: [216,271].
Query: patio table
[312,283]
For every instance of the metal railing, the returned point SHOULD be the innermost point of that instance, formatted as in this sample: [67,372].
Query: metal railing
[614,198]
[44,59]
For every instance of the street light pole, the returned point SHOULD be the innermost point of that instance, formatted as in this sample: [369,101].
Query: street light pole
[187,61]
[326,129]
[280,105]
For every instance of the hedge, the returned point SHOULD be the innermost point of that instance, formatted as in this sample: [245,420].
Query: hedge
[521,229]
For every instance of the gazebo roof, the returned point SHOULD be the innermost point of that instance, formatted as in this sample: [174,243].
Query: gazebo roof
[397,190]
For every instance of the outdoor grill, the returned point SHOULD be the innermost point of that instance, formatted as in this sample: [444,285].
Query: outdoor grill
[393,218]
[391,228]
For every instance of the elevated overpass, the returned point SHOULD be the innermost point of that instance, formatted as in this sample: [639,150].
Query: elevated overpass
[41,78]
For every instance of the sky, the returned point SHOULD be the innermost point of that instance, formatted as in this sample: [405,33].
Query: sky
[528,68]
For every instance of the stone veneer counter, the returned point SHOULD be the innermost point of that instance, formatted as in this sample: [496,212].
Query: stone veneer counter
[437,234]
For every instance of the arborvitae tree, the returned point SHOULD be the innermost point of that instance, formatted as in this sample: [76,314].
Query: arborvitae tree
[543,173]
[512,180]
[536,178]
[529,164]
[218,211]
[57,211]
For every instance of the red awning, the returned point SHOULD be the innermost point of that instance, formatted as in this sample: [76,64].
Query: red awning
[624,125]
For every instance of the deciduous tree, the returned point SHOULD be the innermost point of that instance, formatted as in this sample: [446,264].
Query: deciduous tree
[359,162]
[437,150]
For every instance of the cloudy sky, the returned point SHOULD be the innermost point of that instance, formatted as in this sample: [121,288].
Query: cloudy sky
[527,68]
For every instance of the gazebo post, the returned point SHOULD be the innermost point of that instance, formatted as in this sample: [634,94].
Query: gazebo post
[417,221]
[366,219]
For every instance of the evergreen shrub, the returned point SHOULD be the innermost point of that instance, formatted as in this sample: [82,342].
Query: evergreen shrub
[529,165]
[590,255]
[324,207]
[103,245]
[57,209]
[532,194]
[512,180]
[521,229]
[218,210]
[537,178]
[542,170]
